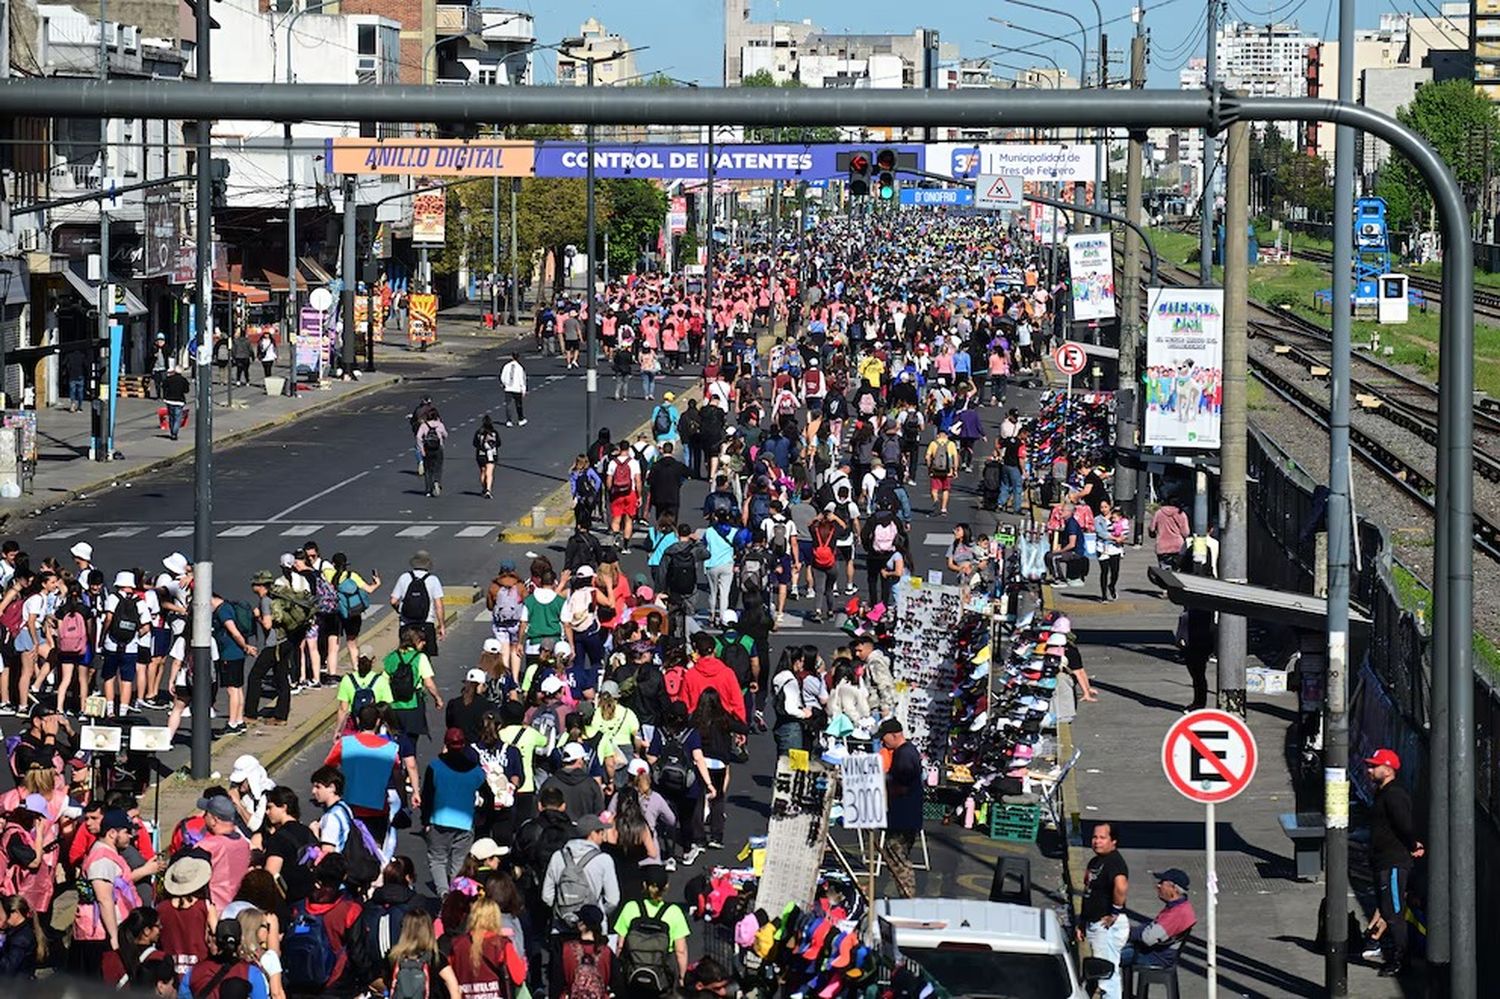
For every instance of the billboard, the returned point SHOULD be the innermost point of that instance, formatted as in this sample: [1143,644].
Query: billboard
[1092,269]
[1184,377]
[1029,161]
[667,162]
[162,238]
[677,216]
[429,218]
[430,157]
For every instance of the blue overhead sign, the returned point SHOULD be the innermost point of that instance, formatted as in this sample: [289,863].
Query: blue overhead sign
[938,196]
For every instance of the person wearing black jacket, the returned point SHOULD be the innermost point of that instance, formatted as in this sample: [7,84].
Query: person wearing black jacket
[690,428]
[174,392]
[538,839]
[664,482]
[1393,848]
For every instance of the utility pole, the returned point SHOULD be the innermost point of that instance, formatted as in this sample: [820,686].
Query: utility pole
[203,438]
[495,249]
[1127,431]
[708,270]
[1233,546]
[350,274]
[104,447]
[515,272]
[1335,687]
[1210,154]
[591,376]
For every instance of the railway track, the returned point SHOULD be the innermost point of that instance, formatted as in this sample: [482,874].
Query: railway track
[1486,303]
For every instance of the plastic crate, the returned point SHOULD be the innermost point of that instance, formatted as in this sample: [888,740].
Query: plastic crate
[935,811]
[1015,823]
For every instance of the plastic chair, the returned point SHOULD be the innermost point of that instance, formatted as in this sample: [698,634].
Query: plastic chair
[1146,976]
[1012,881]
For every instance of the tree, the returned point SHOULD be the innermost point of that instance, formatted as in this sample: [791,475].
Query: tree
[638,208]
[1303,180]
[1464,128]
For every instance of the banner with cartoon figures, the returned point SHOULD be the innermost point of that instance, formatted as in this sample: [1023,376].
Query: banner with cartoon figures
[1184,377]
[1091,264]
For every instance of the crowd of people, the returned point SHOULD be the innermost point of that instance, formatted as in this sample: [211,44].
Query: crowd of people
[584,760]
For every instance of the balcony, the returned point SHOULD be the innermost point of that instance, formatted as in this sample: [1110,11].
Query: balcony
[457,19]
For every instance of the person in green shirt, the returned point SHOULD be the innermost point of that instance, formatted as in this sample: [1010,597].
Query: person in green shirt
[366,676]
[528,742]
[655,906]
[541,614]
[409,673]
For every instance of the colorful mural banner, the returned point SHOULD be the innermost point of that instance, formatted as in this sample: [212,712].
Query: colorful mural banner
[1184,377]
[431,157]
[422,327]
[731,162]
[1092,276]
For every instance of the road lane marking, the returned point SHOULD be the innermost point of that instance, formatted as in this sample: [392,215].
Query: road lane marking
[477,531]
[241,531]
[319,495]
[417,531]
[358,530]
[61,535]
[938,538]
[306,530]
[122,532]
[180,531]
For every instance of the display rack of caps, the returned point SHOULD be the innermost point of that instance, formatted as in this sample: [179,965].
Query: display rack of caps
[1078,429]
[816,952]
[993,748]
[970,699]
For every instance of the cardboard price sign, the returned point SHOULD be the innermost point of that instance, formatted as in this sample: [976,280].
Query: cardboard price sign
[863,800]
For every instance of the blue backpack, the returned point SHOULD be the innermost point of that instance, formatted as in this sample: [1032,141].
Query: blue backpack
[353,600]
[306,952]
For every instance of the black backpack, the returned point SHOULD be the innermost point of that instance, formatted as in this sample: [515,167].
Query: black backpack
[675,773]
[648,962]
[404,680]
[736,657]
[690,423]
[416,601]
[682,571]
[432,441]
[661,423]
[885,494]
[890,450]
[126,621]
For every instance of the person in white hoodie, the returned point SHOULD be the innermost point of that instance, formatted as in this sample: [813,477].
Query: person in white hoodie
[513,381]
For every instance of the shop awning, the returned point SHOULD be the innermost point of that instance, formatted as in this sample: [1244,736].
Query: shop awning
[278,282]
[311,268]
[15,280]
[255,296]
[89,292]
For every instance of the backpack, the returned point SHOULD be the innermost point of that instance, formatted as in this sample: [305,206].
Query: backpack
[942,462]
[410,980]
[911,429]
[325,597]
[648,963]
[722,505]
[778,539]
[585,974]
[885,495]
[675,773]
[432,441]
[682,571]
[823,556]
[291,610]
[73,633]
[507,612]
[352,599]
[885,536]
[864,448]
[10,618]
[671,681]
[587,492]
[690,423]
[545,722]
[416,602]
[124,623]
[307,955]
[621,479]
[404,680]
[661,423]
[573,888]
[760,508]
[363,697]
[360,851]
[244,618]
[736,657]
[755,569]
[890,450]
[867,404]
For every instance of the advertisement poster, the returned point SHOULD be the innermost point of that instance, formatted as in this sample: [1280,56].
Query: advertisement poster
[668,162]
[677,216]
[1184,378]
[1091,264]
[429,218]
[312,344]
[1029,161]
[422,327]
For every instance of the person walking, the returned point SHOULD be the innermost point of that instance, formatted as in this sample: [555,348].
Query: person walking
[266,350]
[418,600]
[486,451]
[161,362]
[1169,527]
[451,786]
[174,388]
[1394,847]
[1105,884]
[240,354]
[942,465]
[513,384]
[903,791]
[432,436]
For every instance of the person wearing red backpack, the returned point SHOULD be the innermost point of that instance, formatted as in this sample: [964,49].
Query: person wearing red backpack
[825,531]
[622,481]
[587,961]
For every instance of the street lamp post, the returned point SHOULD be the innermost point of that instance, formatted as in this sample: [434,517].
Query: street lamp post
[291,210]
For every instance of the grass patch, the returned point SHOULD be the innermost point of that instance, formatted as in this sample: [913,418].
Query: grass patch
[1414,595]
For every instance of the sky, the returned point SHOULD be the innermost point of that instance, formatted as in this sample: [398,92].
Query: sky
[686,37]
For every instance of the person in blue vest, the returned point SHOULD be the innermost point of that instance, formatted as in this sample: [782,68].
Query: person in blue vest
[370,762]
[449,787]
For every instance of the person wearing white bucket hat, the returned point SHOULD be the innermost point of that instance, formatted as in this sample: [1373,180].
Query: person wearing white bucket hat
[126,616]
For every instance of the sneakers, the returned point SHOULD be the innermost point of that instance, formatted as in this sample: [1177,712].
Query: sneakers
[697,851]
[524,422]
[1372,951]
[437,489]
[669,865]
[509,423]
[7,709]
[714,844]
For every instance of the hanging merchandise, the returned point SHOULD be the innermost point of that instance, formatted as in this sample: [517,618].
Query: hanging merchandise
[922,662]
[1068,435]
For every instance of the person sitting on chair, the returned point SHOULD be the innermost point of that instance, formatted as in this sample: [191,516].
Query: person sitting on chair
[1157,943]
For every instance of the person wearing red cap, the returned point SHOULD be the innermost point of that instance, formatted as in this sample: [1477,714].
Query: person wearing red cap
[449,787]
[1393,849]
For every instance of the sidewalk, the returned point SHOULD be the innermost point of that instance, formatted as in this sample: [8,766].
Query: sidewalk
[1267,920]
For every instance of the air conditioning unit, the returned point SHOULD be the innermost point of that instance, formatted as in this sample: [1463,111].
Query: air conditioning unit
[28,240]
[130,38]
[365,71]
[111,34]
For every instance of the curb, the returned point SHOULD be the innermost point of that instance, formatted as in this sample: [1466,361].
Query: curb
[156,465]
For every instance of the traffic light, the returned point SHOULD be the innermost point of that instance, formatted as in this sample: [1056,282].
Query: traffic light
[885,167]
[857,165]
[218,173]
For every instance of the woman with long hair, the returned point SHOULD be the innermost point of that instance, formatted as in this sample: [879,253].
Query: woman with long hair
[416,952]
[353,600]
[682,775]
[482,954]
[486,453]
[631,843]
[34,638]
[12,603]
[258,945]
[504,772]
[72,659]
[24,944]
[139,931]
[723,737]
